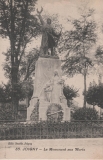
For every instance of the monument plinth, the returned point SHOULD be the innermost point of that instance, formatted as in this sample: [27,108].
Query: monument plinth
[48,89]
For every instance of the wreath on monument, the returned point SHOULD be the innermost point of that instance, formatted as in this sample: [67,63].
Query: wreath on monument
[54,112]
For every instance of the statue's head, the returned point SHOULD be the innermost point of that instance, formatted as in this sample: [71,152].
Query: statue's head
[48,21]
[56,73]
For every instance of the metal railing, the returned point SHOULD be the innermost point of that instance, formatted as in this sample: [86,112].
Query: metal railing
[51,130]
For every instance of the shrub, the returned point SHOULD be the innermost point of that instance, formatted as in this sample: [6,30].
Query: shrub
[94,95]
[70,93]
[85,113]
[6,112]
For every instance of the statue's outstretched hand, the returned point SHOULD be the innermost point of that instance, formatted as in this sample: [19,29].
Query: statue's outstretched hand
[39,12]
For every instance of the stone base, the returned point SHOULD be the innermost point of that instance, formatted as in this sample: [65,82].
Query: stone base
[31,107]
[44,73]
[43,111]
[43,106]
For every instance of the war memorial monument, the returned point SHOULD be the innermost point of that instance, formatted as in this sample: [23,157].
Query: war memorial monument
[48,101]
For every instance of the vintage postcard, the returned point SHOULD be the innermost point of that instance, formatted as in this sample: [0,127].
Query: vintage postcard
[51,79]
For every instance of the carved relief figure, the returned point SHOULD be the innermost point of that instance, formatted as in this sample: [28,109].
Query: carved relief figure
[53,89]
[57,88]
[47,91]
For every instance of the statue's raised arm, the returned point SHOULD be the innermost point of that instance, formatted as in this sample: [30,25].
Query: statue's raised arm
[39,15]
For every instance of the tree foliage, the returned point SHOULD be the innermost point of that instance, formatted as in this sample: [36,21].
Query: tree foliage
[99,62]
[79,40]
[21,20]
[23,90]
[70,93]
[94,95]
[6,112]
[76,44]
[75,65]
[99,51]
[26,67]
[91,114]
[5,93]
[20,25]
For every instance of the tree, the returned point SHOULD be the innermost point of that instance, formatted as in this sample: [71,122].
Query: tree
[99,62]
[94,95]
[5,93]
[24,88]
[6,112]
[91,114]
[70,93]
[91,95]
[20,26]
[26,67]
[77,43]
[23,91]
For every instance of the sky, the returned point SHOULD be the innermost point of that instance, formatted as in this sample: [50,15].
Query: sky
[66,9]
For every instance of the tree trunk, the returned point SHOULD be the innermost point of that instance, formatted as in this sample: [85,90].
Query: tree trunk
[68,103]
[84,105]
[14,69]
[14,82]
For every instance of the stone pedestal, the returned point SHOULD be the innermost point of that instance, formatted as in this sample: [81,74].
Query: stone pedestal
[48,88]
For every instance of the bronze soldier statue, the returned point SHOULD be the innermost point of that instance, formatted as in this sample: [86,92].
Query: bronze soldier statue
[49,37]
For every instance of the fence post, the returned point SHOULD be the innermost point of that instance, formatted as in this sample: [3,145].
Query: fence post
[91,128]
